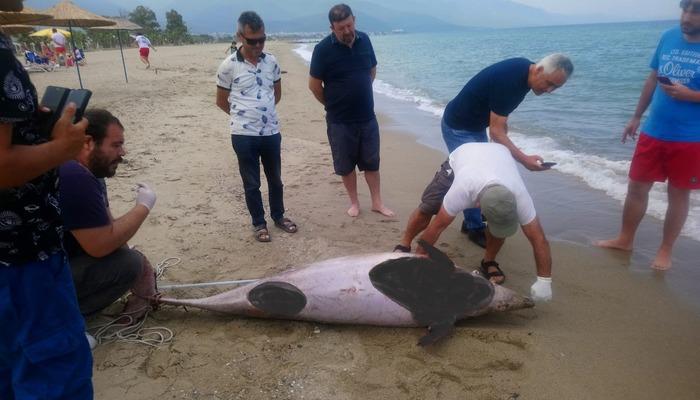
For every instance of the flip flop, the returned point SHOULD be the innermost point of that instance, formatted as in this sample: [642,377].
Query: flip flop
[485,265]
[286,225]
[262,234]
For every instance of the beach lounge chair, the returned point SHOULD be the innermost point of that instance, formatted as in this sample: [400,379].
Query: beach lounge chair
[36,63]
[79,56]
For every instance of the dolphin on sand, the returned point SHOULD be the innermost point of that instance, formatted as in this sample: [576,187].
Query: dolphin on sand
[385,289]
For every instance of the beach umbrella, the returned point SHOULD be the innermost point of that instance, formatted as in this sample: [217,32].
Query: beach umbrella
[121,24]
[48,32]
[68,14]
[27,16]
[16,29]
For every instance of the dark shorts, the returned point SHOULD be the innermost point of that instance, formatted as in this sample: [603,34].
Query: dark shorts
[355,144]
[656,160]
[436,190]
[99,282]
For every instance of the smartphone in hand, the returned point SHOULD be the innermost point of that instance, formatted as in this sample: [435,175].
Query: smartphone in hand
[664,80]
[54,99]
[548,164]
[80,97]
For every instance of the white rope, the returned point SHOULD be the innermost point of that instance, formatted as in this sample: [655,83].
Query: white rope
[206,284]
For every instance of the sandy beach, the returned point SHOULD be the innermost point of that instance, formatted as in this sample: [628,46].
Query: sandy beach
[608,333]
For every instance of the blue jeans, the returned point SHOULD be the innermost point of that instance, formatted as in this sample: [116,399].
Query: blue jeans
[43,350]
[251,150]
[454,138]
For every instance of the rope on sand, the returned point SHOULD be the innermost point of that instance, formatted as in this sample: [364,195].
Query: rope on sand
[125,328]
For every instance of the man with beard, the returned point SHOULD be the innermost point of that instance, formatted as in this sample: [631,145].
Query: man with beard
[343,67]
[103,266]
[669,144]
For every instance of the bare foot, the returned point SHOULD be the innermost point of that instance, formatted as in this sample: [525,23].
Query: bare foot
[383,210]
[354,210]
[662,262]
[614,244]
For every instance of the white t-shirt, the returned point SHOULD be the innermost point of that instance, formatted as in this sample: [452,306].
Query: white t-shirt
[58,39]
[478,165]
[142,41]
[252,93]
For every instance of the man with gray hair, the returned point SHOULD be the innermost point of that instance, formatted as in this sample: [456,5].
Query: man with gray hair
[486,101]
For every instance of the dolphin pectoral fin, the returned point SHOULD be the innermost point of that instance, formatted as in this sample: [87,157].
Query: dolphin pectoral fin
[436,332]
[436,255]
[277,298]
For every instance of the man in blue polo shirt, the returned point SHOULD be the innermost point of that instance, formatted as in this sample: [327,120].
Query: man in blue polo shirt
[669,144]
[487,100]
[343,67]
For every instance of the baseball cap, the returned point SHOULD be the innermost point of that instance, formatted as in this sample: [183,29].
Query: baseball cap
[500,209]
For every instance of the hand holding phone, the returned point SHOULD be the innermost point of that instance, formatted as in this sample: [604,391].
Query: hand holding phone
[664,80]
[548,164]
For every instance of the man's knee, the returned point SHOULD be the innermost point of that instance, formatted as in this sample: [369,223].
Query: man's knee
[639,190]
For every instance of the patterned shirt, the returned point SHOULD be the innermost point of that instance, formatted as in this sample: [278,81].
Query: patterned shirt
[251,93]
[30,226]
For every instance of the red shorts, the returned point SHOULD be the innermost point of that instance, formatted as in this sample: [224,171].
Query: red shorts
[656,160]
[60,50]
[143,51]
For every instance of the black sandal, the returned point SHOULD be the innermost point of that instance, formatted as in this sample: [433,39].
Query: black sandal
[485,265]
[401,249]
[262,234]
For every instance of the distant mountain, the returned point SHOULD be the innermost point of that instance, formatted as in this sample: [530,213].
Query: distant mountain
[207,16]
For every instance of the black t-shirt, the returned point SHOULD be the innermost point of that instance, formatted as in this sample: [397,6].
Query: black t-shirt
[500,88]
[345,72]
[30,226]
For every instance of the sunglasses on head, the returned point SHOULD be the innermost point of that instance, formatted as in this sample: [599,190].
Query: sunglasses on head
[690,6]
[253,42]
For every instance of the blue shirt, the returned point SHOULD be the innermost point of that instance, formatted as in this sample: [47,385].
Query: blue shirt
[345,72]
[500,88]
[83,200]
[670,119]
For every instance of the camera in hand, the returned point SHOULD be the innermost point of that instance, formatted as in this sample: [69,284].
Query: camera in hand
[55,99]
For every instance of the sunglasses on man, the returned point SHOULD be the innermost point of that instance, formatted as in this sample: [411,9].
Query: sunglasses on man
[253,42]
[690,6]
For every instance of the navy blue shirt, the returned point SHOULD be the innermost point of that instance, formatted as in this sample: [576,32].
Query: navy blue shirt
[345,72]
[500,88]
[83,200]
[30,221]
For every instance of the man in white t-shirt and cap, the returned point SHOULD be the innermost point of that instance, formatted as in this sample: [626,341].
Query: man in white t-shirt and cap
[144,48]
[483,175]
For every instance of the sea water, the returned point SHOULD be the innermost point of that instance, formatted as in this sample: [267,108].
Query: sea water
[579,126]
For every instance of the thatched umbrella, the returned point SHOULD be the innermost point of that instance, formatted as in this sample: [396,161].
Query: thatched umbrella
[27,16]
[121,24]
[68,14]
[15,29]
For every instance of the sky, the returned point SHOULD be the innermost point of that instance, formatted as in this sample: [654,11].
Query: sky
[634,9]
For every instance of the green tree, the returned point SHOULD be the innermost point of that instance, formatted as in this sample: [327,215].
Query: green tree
[175,28]
[145,17]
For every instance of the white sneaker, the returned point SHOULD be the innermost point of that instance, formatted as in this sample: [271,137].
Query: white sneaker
[91,341]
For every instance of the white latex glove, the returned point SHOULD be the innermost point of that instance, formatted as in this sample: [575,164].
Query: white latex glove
[145,196]
[541,290]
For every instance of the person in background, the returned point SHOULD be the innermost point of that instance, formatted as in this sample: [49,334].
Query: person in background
[144,48]
[44,353]
[668,148]
[59,45]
